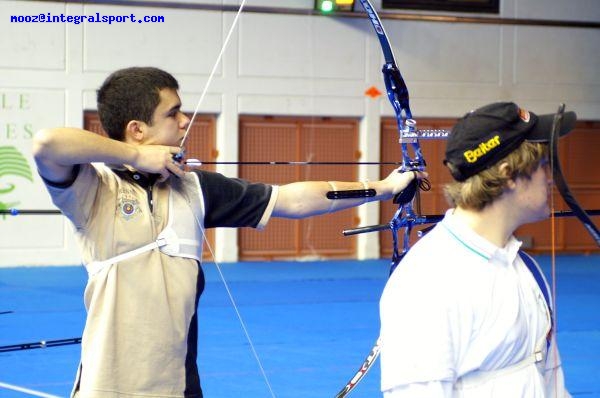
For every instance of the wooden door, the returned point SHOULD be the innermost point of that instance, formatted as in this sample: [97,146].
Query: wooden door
[284,139]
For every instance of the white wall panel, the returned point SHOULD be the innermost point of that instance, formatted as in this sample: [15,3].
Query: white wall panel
[187,42]
[300,105]
[279,65]
[457,53]
[557,56]
[31,45]
[302,47]
[22,112]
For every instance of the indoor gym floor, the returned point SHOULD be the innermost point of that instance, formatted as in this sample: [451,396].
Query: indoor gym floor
[312,324]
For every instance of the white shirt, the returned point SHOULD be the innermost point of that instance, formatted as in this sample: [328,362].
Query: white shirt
[458,306]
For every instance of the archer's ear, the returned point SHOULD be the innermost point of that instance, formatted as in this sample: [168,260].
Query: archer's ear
[134,131]
[507,172]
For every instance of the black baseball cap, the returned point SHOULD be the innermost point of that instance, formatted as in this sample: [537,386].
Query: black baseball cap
[486,135]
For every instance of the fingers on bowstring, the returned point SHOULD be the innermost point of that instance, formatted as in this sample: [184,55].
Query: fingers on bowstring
[175,167]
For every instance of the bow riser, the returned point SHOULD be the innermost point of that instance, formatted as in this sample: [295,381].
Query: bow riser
[404,217]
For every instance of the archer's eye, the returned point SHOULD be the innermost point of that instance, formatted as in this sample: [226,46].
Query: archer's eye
[172,113]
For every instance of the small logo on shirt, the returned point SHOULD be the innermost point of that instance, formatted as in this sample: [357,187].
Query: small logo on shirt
[129,208]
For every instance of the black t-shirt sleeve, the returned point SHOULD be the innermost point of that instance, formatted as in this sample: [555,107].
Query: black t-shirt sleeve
[64,184]
[232,202]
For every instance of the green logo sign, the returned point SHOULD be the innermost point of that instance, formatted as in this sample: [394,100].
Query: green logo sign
[12,163]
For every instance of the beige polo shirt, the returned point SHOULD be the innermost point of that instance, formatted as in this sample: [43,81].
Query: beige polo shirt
[140,337]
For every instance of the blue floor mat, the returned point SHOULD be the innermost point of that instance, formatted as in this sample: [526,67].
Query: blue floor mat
[311,323]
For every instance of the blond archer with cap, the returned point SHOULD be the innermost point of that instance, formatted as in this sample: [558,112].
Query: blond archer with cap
[467,313]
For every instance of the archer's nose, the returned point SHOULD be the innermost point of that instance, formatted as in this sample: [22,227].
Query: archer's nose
[184,121]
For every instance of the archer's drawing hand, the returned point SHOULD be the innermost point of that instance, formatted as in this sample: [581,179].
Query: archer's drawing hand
[158,159]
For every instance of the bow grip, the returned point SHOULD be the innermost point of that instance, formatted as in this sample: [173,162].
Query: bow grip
[407,194]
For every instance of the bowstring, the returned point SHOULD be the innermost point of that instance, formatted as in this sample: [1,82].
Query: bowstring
[553,154]
[308,235]
[555,163]
[235,307]
[554,352]
[202,230]
[213,72]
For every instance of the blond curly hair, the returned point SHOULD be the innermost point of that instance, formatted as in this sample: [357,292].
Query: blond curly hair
[480,190]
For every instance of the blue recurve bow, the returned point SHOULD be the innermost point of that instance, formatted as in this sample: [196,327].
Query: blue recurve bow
[405,217]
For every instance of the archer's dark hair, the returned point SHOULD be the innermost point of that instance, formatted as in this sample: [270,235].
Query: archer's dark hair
[131,94]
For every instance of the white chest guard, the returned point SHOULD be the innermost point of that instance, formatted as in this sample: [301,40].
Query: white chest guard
[183,234]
